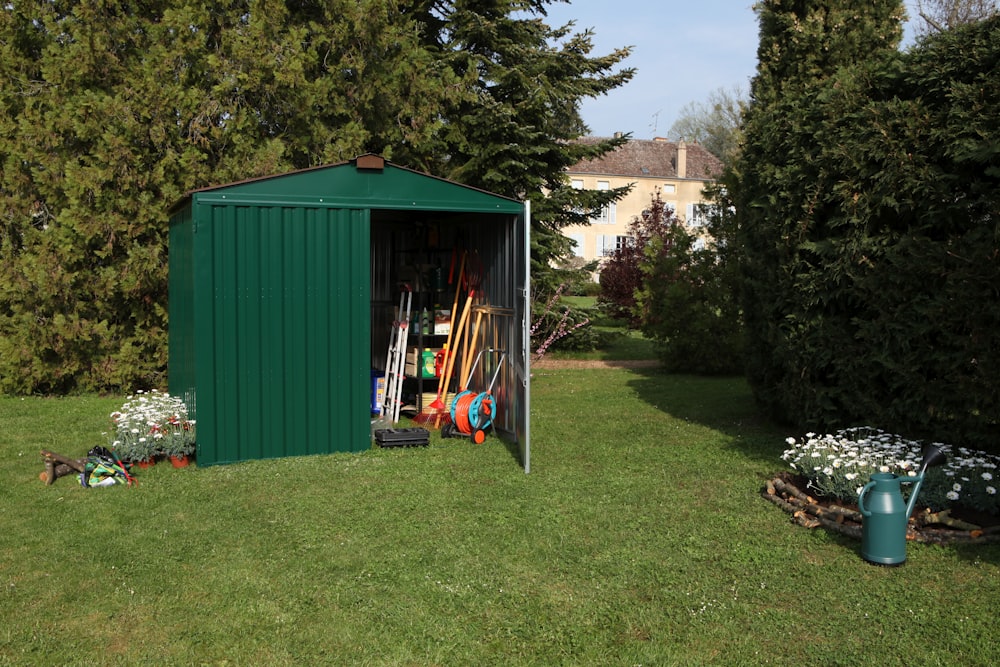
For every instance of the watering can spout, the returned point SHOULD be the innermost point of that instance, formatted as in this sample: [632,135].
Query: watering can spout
[918,480]
[933,456]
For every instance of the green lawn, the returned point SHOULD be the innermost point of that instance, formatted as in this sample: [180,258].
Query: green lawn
[638,538]
[623,344]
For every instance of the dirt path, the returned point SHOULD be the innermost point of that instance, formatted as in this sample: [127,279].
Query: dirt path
[547,364]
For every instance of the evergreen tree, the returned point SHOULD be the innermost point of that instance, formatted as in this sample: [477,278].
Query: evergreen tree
[112,112]
[515,134]
[109,113]
[779,185]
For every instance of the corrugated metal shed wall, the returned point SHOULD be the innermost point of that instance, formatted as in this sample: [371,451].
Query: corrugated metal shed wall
[283,374]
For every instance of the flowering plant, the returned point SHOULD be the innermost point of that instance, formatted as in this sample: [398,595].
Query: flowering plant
[151,423]
[839,465]
[550,327]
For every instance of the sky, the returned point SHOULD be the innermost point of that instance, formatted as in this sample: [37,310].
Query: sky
[683,50]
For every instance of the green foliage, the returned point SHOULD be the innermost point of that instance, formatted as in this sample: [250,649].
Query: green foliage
[686,306]
[515,134]
[110,113]
[868,224]
[557,325]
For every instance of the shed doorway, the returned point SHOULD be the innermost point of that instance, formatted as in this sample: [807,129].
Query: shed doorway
[440,256]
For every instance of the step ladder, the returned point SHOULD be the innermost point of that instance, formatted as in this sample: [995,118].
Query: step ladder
[396,357]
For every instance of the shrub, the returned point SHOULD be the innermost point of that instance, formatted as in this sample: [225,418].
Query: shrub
[622,275]
[868,231]
[687,306]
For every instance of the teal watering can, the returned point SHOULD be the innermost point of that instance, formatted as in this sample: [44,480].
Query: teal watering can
[885,515]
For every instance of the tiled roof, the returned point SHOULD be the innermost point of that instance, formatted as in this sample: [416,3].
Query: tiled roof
[655,158]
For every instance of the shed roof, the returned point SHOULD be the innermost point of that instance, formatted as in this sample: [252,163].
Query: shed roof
[656,158]
[366,181]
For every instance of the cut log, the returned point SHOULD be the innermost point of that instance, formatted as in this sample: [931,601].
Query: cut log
[944,518]
[57,465]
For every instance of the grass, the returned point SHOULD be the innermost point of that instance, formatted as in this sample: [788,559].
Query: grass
[638,538]
[623,344]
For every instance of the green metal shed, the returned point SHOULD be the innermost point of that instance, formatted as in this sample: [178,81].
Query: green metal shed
[283,292]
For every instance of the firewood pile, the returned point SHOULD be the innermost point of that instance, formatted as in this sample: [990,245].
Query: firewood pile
[924,526]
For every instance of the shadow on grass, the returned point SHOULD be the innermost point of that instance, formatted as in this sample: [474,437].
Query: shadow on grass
[724,404]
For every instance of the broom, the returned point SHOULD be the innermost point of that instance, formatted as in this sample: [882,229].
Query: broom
[432,412]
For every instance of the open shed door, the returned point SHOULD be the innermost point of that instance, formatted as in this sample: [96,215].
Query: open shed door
[523,379]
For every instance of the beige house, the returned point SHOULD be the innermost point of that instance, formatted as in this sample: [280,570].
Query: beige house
[679,170]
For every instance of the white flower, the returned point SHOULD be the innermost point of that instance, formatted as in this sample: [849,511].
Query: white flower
[952,495]
[851,476]
[883,468]
[987,476]
[790,441]
[956,487]
[991,490]
[859,490]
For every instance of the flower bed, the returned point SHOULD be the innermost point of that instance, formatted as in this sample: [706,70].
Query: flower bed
[958,500]
[839,465]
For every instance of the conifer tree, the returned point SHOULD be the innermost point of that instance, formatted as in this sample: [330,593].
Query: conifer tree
[514,135]
[779,185]
[110,112]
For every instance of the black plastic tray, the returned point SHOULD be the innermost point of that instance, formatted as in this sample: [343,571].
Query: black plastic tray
[402,437]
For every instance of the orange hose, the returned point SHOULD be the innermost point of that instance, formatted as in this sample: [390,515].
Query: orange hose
[462,413]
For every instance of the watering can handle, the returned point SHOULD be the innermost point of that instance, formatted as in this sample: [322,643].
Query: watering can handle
[861,500]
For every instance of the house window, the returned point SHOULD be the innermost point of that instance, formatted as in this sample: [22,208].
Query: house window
[669,189]
[610,243]
[577,240]
[697,214]
[576,183]
[608,213]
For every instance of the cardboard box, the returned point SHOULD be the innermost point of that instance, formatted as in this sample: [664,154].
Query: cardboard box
[442,322]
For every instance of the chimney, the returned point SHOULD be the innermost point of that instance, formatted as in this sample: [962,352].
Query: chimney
[682,159]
